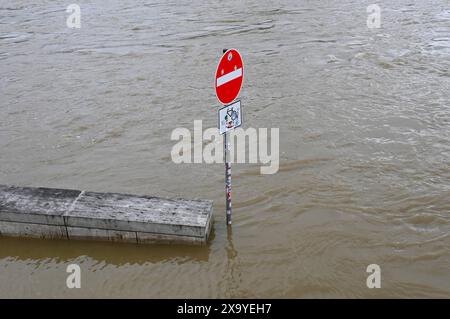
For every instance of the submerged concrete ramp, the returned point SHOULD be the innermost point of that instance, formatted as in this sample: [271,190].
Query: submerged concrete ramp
[74,214]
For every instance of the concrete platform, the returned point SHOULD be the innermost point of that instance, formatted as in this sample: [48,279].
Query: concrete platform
[74,214]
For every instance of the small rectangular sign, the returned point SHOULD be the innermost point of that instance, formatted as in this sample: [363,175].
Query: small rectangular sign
[230,117]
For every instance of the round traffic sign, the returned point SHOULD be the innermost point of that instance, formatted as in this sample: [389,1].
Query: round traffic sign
[229,76]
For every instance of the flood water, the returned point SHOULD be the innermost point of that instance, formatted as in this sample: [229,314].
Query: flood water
[364,119]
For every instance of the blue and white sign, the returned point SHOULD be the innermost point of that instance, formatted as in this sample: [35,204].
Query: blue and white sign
[230,117]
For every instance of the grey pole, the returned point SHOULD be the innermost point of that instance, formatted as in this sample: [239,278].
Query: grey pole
[227,178]
[226,152]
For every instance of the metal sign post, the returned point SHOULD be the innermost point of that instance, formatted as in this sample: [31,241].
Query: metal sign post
[228,82]
[230,117]
[226,150]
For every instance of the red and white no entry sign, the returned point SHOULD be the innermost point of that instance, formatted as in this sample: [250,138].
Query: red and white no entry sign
[229,76]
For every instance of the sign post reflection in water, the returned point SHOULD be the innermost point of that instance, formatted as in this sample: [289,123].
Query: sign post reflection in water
[228,83]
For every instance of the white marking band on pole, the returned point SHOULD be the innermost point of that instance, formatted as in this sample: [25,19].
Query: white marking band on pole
[229,77]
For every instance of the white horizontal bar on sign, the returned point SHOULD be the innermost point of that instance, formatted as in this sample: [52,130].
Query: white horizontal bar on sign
[229,77]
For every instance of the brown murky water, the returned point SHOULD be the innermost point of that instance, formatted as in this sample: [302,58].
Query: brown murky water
[364,118]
